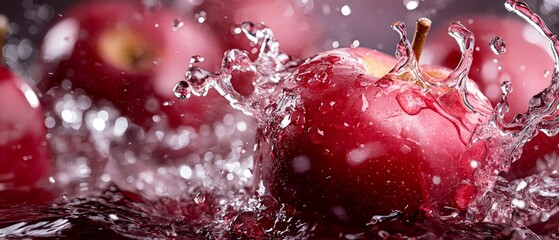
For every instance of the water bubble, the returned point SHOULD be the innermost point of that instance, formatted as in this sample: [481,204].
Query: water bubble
[497,45]
[181,90]
[411,4]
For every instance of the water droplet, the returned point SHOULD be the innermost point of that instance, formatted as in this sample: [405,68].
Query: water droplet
[335,44]
[381,218]
[497,45]
[201,16]
[345,10]
[436,180]
[196,59]
[411,4]
[546,73]
[200,198]
[177,24]
[410,102]
[316,135]
[181,90]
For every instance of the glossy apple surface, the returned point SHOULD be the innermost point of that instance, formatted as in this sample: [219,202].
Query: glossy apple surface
[360,144]
[24,153]
[296,31]
[131,56]
[525,63]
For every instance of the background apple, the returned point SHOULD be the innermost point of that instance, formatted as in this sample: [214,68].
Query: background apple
[361,144]
[25,156]
[131,56]
[296,31]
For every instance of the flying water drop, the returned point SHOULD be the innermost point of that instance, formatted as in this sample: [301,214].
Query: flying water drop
[497,45]
[411,4]
[181,90]
[177,24]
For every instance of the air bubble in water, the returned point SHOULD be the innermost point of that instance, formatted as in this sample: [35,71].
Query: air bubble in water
[411,4]
[497,45]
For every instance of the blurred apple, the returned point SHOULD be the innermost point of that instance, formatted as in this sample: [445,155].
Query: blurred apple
[24,153]
[296,32]
[131,56]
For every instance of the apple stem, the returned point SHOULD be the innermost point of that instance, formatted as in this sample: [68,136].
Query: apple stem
[4,27]
[421,30]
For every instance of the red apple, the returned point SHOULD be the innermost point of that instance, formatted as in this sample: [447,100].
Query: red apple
[526,63]
[24,153]
[361,143]
[296,31]
[132,56]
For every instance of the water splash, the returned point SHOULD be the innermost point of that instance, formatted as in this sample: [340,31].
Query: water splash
[506,139]
[407,68]
[266,71]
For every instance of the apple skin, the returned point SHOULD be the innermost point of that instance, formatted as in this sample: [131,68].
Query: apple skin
[25,156]
[296,32]
[127,54]
[351,152]
[523,64]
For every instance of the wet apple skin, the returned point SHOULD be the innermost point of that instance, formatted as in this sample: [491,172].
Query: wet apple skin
[350,152]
